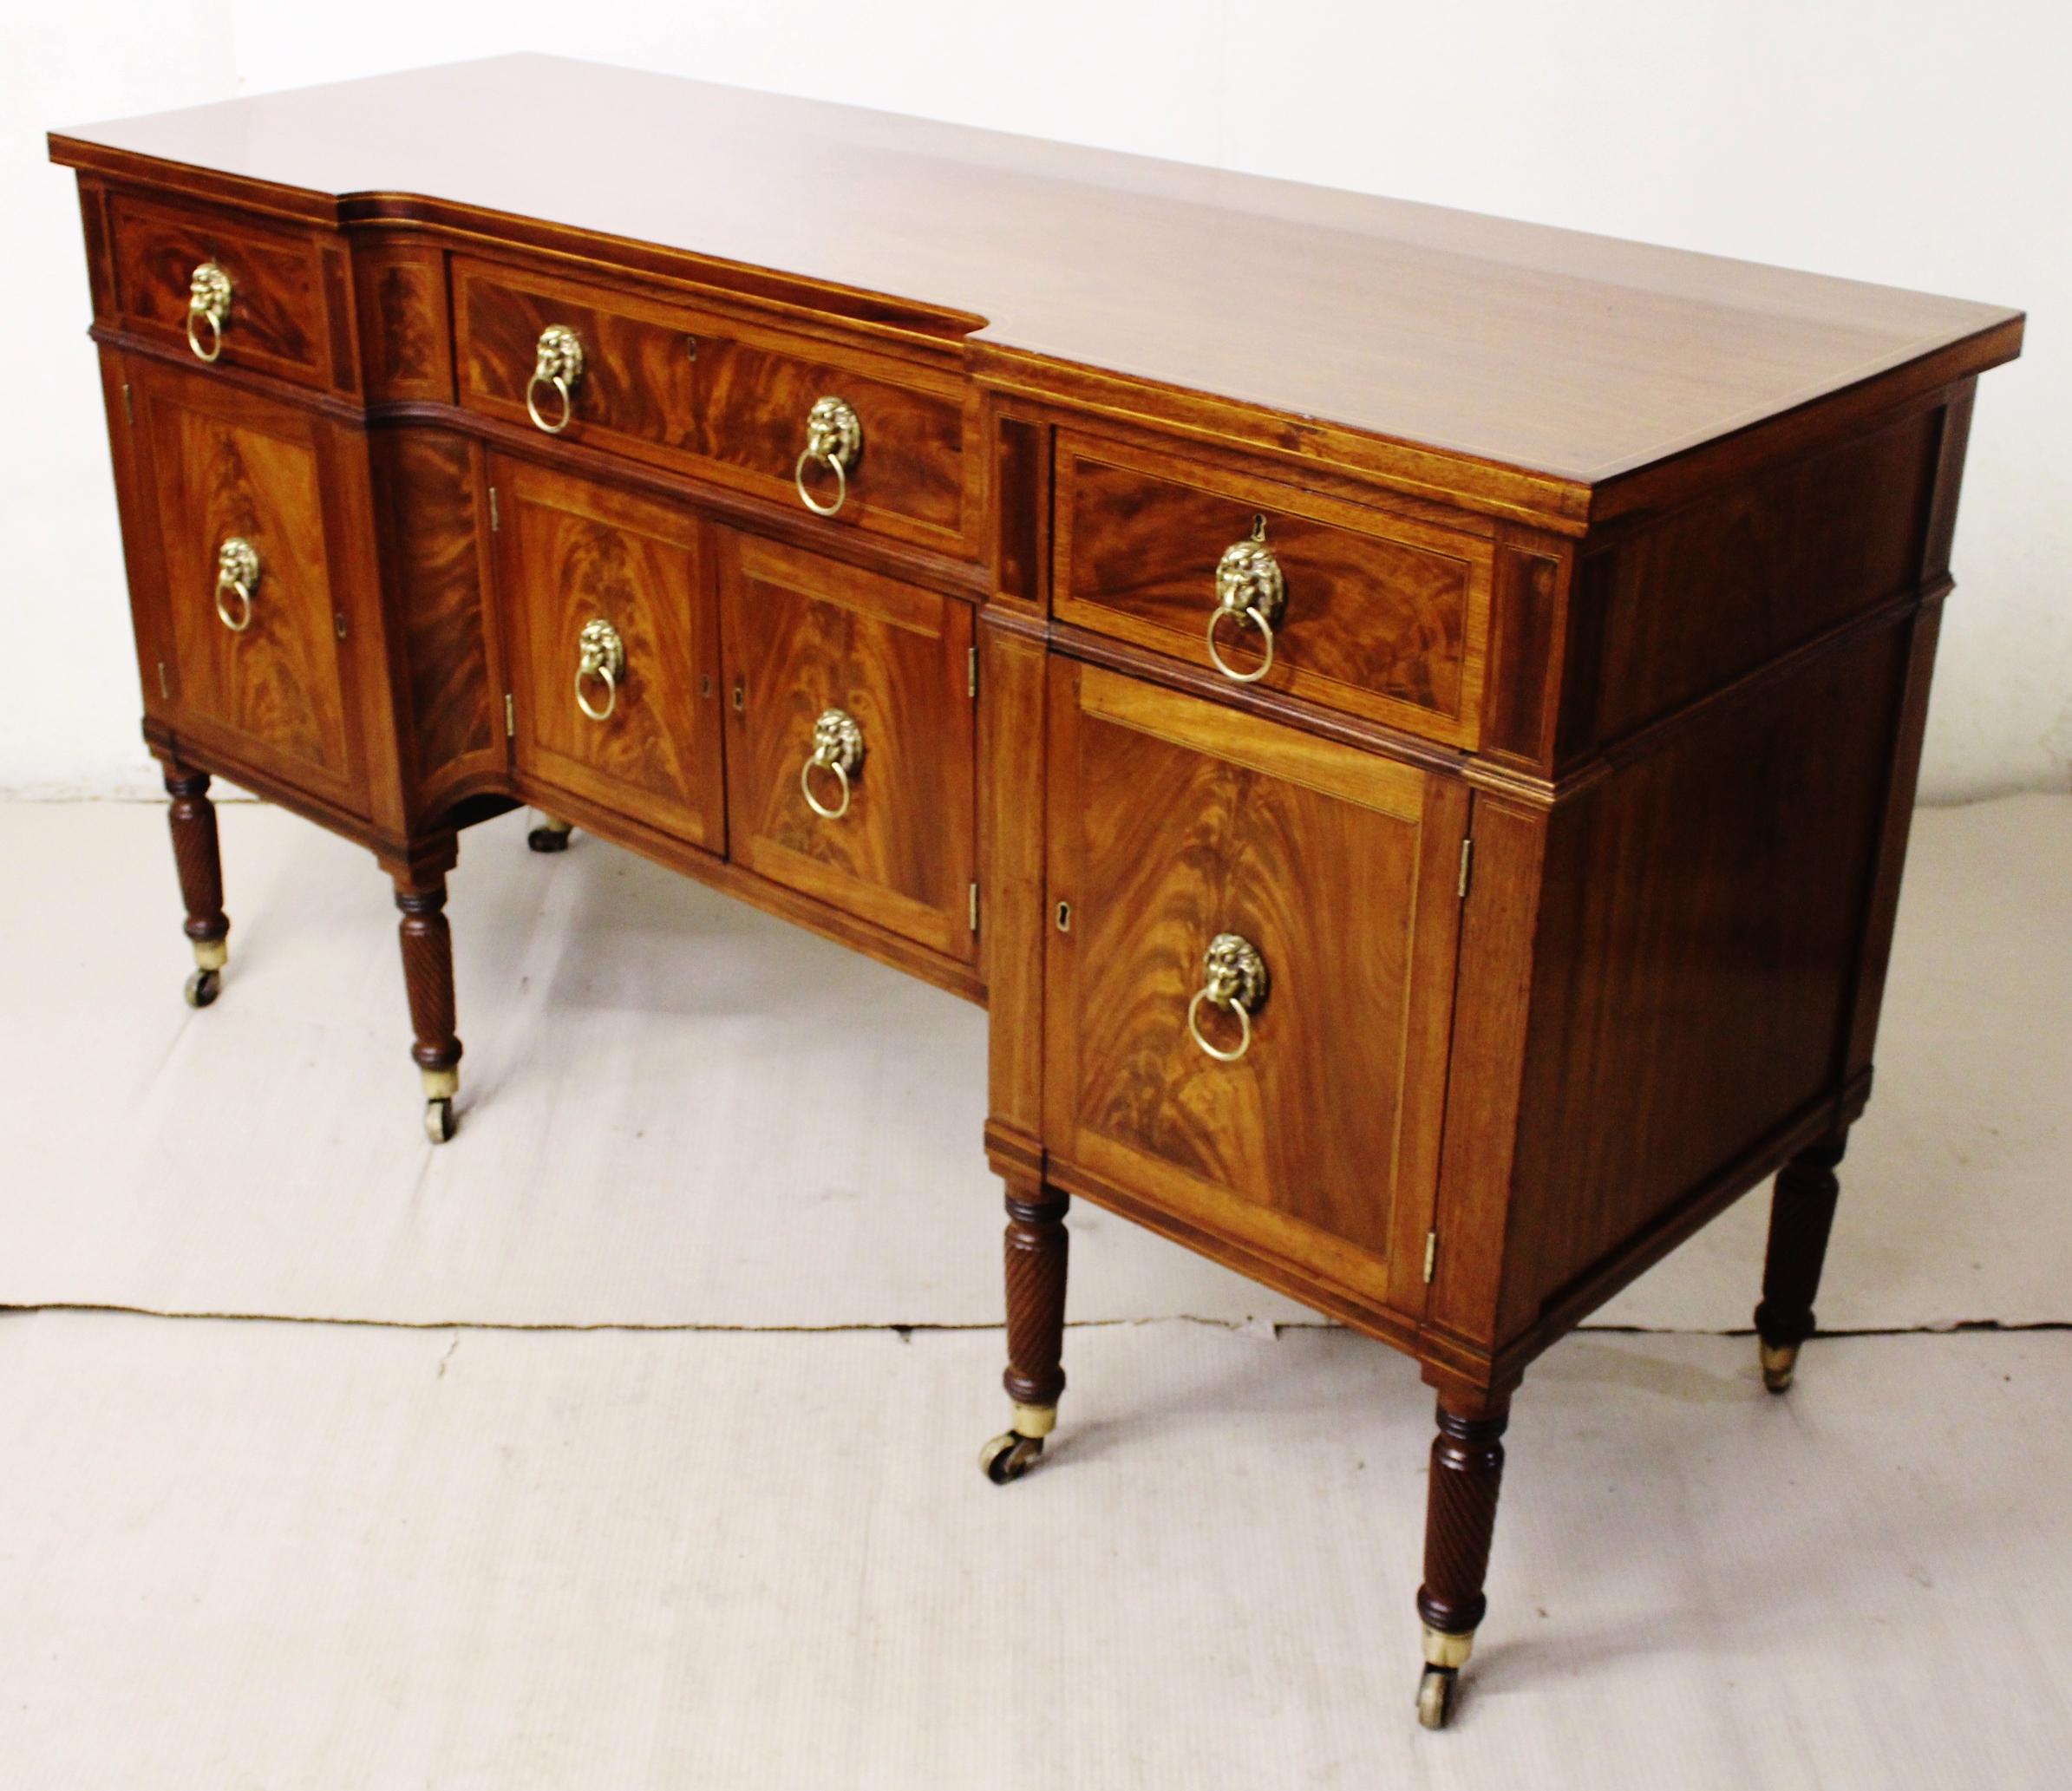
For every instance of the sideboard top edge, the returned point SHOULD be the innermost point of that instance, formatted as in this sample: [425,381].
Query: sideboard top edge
[1576,359]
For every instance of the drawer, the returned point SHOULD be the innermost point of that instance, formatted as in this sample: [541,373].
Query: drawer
[236,592]
[850,743]
[611,639]
[723,399]
[1375,614]
[1284,1091]
[281,306]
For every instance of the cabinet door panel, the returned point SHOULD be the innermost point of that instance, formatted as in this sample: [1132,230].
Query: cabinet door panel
[1173,822]
[572,553]
[220,466]
[805,636]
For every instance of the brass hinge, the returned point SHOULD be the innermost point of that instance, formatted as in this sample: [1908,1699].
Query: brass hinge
[164,689]
[1468,854]
[974,904]
[510,716]
[496,521]
[129,410]
[971,671]
[1431,1254]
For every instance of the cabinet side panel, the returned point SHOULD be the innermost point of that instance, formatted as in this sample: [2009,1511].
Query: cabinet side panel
[1727,584]
[1704,915]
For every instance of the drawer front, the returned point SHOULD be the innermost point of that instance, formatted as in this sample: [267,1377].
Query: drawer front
[1376,614]
[285,312]
[255,664]
[809,638]
[613,646]
[1174,822]
[726,399]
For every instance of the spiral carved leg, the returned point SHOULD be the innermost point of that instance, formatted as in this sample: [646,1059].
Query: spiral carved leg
[199,862]
[1036,1249]
[1467,1469]
[427,946]
[1802,1213]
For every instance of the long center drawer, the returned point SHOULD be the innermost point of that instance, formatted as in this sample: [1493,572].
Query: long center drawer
[723,398]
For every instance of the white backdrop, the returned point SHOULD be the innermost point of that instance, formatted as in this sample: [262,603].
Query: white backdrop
[1918,142]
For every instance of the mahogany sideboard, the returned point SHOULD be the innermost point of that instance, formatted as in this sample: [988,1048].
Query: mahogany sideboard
[1407,721]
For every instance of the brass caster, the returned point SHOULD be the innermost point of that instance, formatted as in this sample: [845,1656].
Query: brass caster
[203,987]
[551,835]
[1779,1360]
[1008,1456]
[1436,1695]
[439,1119]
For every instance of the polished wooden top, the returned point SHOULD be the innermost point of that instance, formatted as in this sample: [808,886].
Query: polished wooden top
[1573,356]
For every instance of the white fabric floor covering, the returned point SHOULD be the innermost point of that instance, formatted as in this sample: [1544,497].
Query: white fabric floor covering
[350,1558]
[677,1111]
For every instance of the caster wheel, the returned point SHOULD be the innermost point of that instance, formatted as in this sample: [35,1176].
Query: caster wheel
[548,839]
[1435,1697]
[1780,1361]
[203,987]
[1008,1456]
[438,1120]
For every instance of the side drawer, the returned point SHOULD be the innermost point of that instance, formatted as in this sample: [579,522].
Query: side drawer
[282,307]
[724,399]
[613,648]
[850,742]
[1375,614]
[1191,847]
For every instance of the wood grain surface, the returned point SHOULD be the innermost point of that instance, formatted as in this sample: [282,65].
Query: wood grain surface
[804,635]
[724,398]
[1384,616]
[1173,820]
[222,464]
[570,551]
[1578,356]
[278,321]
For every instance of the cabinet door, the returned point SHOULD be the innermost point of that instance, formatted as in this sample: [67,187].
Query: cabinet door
[1313,1137]
[613,649]
[809,638]
[247,615]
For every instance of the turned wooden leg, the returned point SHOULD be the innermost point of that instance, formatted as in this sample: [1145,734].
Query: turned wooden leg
[1468,1468]
[199,862]
[548,834]
[1036,1246]
[1801,1212]
[428,944]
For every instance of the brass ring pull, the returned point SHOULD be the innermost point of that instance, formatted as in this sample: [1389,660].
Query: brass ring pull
[599,654]
[835,438]
[208,302]
[837,746]
[237,573]
[559,365]
[1250,587]
[1234,978]
[1249,616]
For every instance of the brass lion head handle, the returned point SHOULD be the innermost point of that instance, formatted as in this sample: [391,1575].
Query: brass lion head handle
[557,367]
[601,655]
[837,746]
[1249,590]
[237,573]
[208,305]
[1233,977]
[833,439]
